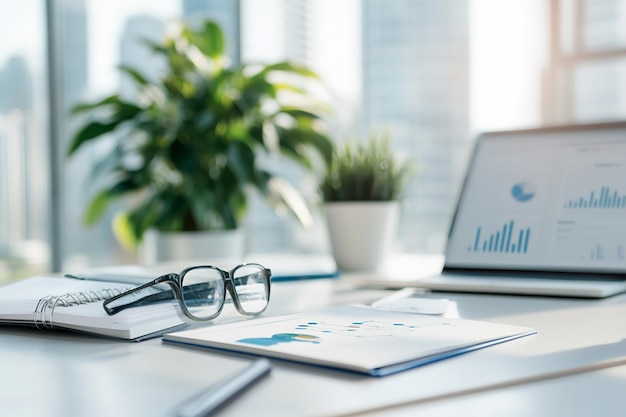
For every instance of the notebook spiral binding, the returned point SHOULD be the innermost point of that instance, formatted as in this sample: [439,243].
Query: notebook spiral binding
[44,312]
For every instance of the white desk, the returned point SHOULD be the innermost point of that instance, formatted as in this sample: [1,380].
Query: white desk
[66,375]
[599,393]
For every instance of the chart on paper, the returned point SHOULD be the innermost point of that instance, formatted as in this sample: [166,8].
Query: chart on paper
[316,332]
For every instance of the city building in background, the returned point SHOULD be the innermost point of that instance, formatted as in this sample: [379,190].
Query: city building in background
[416,85]
[24,146]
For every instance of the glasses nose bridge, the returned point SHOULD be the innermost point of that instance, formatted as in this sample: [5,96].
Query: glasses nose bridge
[228,283]
[226,274]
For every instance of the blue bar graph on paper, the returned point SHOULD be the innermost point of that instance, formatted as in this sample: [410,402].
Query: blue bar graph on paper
[605,197]
[504,240]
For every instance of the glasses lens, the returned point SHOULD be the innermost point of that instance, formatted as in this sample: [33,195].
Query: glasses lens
[251,284]
[203,292]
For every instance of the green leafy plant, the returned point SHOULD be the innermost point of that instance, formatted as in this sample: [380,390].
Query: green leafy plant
[188,149]
[367,171]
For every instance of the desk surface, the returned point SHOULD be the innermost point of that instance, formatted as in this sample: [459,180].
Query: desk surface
[551,373]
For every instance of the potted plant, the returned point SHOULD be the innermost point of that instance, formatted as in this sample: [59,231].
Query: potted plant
[190,148]
[361,192]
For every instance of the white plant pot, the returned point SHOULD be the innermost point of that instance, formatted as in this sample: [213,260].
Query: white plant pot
[202,246]
[361,233]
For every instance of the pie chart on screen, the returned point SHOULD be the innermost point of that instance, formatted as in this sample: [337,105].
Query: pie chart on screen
[523,191]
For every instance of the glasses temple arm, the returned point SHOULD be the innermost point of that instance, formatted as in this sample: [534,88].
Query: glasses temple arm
[165,295]
[148,299]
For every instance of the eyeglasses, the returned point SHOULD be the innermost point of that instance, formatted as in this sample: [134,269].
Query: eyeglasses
[201,291]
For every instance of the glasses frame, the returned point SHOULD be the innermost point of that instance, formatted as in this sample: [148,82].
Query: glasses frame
[174,280]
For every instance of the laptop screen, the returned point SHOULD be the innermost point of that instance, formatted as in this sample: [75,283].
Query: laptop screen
[544,200]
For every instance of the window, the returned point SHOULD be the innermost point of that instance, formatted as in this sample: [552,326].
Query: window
[434,73]
[24,153]
[587,69]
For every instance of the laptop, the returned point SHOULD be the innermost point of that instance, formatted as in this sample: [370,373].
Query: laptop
[541,212]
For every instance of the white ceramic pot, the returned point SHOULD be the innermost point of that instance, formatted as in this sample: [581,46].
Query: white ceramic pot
[361,233]
[199,246]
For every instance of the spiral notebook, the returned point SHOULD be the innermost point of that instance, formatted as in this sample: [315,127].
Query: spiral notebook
[50,303]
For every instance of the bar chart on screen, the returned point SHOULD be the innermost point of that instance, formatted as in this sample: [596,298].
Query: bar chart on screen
[589,237]
[509,238]
[602,197]
[589,228]
[606,254]
[601,252]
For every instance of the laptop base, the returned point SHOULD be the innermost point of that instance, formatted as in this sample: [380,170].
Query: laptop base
[526,286]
